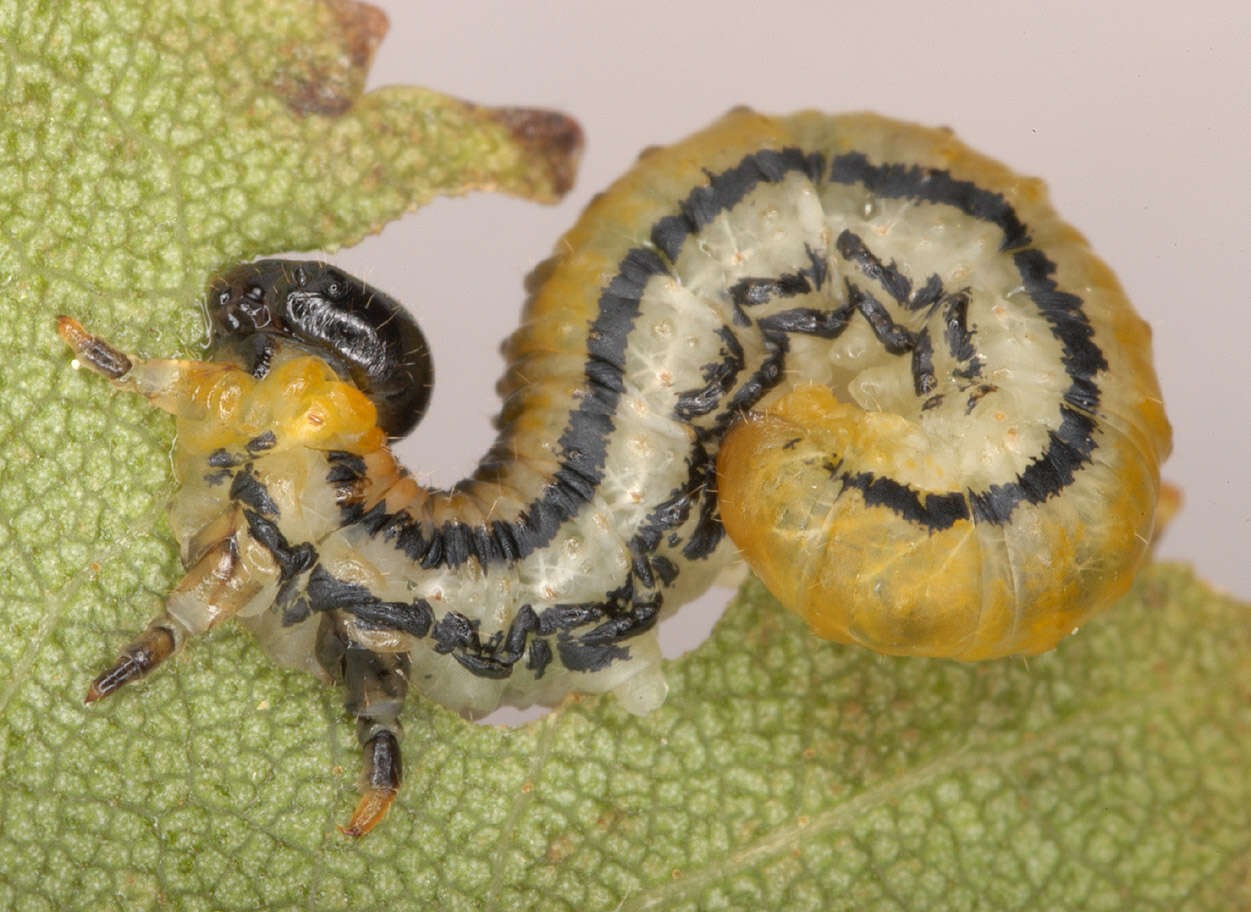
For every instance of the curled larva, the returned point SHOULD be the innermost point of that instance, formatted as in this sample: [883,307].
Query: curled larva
[918,405]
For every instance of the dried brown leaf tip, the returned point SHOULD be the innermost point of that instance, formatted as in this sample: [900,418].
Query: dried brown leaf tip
[327,78]
[551,137]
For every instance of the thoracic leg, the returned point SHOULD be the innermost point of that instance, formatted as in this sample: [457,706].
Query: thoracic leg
[215,588]
[375,686]
[163,637]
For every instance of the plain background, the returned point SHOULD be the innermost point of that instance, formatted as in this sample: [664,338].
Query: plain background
[1137,114]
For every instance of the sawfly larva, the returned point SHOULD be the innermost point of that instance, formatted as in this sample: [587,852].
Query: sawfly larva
[871,360]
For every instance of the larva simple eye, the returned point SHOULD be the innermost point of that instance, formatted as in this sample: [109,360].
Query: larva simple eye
[868,360]
[361,332]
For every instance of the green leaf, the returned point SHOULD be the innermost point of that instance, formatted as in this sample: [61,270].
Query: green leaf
[145,146]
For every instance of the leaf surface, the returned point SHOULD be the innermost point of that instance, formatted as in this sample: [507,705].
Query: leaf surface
[145,146]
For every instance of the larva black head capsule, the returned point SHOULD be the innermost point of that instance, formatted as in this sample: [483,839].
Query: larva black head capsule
[365,335]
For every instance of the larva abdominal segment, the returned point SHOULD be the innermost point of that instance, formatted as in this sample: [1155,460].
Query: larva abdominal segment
[917,403]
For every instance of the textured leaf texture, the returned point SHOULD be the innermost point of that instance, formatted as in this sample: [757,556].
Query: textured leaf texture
[145,146]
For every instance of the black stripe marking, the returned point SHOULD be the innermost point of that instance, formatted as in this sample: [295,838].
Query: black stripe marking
[583,444]
[326,593]
[807,321]
[957,335]
[934,511]
[540,656]
[344,467]
[896,339]
[927,295]
[261,443]
[292,560]
[896,181]
[726,190]
[720,377]
[980,392]
[1070,447]
[897,285]
[923,380]
[220,459]
[754,292]
[248,490]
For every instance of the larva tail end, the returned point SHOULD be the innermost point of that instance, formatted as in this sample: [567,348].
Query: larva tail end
[927,579]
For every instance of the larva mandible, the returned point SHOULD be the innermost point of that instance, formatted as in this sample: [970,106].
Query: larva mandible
[917,403]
